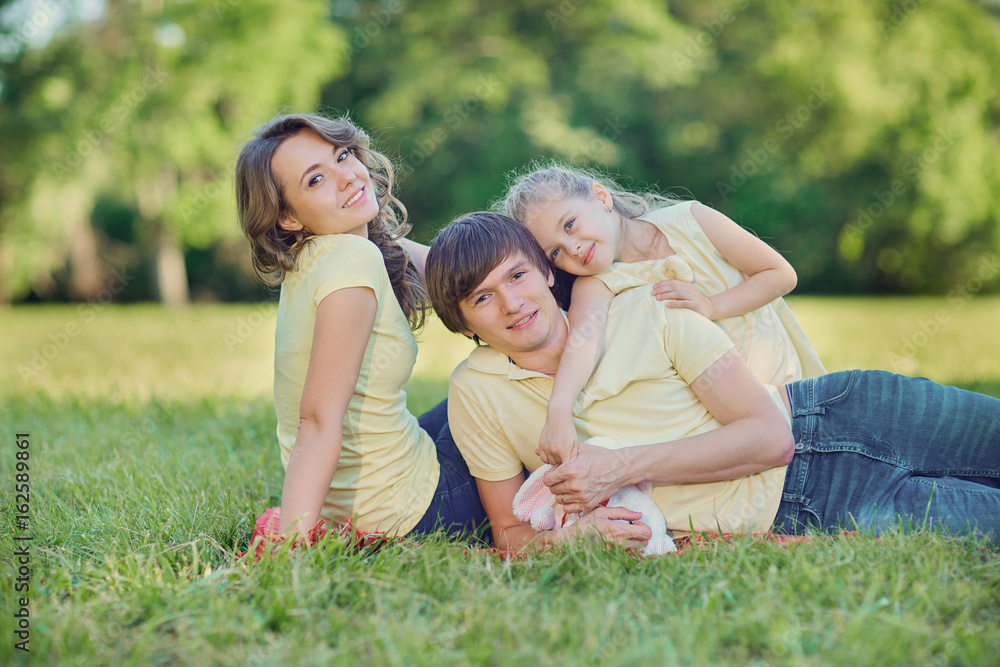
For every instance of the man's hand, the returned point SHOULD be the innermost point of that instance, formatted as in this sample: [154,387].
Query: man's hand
[680,294]
[614,523]
[592,477]
[557,443]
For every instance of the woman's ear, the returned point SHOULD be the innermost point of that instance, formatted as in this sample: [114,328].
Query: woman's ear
[289,223]
[602,195]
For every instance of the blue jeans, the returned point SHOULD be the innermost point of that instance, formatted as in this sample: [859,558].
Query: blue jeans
[873,448]
[455,507]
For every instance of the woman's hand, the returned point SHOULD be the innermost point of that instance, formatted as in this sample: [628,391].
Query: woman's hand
[558,442]
[684,295]
[590,478]
[614,523]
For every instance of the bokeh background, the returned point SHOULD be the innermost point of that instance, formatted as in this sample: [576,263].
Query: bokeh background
[861,138]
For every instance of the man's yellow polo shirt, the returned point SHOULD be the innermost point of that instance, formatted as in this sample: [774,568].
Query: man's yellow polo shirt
[639,391]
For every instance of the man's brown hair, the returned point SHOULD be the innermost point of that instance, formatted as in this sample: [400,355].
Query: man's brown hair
[464,254]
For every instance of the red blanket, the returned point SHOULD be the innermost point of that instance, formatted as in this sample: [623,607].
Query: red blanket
[265,537]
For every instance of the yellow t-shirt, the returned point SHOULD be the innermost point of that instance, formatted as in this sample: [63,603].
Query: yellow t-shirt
[639,391]
[388,469]
[769,338]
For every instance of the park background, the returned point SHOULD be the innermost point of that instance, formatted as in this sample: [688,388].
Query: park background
[861,139]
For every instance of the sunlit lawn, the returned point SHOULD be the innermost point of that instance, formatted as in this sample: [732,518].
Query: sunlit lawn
[153,450]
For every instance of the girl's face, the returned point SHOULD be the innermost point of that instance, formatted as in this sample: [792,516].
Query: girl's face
[580,236]
[328,188]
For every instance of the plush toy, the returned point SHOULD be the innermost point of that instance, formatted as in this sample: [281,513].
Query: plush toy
[536,504]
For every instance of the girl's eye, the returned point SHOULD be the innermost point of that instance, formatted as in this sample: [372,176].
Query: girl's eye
[569,224]
[315,179]
[554,253]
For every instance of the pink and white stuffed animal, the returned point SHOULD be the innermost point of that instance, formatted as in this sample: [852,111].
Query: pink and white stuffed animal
[536,504]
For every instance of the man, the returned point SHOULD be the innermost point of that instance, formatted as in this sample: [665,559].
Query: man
[715,443]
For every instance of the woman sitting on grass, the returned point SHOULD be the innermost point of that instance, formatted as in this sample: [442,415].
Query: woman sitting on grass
[316,204]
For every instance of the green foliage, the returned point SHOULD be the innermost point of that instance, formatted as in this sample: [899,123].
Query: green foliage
[860,138]
[146,108]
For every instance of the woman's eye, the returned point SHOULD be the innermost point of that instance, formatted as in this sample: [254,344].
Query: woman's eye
[344,154]
[315,179]
[569,224]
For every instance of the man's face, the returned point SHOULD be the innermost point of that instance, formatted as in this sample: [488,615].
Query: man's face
[512,310]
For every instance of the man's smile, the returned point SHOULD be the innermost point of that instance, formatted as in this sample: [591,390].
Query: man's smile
[524,322]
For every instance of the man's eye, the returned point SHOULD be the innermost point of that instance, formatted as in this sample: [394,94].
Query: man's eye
[518,275]
[481,299]
[315,179]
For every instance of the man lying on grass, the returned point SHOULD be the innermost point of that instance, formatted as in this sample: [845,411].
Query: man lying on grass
[724,452]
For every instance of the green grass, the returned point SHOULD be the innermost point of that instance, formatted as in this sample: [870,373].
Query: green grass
[153,450]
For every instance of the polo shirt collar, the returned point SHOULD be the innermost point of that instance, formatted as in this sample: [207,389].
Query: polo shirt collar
[487,360]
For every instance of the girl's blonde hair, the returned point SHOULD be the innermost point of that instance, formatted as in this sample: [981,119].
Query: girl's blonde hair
[555,181]
[260,203]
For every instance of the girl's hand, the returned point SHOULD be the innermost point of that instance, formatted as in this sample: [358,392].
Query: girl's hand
[557,443]
[684,295]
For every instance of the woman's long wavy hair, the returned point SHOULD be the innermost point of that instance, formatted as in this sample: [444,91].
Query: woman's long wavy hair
[260,203]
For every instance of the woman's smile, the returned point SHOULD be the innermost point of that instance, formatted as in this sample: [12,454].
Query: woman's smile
[356,198]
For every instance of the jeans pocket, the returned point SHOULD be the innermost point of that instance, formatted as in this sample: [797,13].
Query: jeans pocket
[808,519]
[838,385]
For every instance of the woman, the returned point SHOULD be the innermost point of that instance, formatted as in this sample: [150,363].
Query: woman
[316,204]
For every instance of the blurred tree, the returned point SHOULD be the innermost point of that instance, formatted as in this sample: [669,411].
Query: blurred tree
[148,105]
[463,91]
[860,137]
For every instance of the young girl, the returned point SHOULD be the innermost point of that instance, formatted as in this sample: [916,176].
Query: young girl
[316,204]
[615,240]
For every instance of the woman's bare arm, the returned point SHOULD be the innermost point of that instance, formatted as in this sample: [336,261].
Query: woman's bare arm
[344,321]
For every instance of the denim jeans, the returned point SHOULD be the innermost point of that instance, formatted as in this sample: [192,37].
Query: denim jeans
[455,506]
[874,448]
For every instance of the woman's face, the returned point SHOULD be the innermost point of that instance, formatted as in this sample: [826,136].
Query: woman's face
[327,187]
[580,236]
